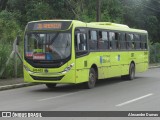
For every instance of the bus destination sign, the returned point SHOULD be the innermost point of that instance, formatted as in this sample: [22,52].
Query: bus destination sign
[49,25]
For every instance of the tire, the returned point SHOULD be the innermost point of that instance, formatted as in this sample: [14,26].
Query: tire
[92,79]
[131,74]
[51,85]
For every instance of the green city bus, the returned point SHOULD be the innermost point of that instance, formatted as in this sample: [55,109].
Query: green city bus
[71,51]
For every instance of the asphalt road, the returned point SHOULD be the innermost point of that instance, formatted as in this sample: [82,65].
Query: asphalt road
[140,94]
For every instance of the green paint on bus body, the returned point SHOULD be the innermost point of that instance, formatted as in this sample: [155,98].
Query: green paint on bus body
[107,63]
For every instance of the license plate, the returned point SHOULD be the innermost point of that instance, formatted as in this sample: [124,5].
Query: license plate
[37,70]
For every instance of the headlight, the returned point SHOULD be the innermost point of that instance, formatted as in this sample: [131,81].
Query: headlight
[26,68]
[68,68]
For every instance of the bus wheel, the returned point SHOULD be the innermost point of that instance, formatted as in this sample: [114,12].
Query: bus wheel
[131,74]
[51,85]
[92,79]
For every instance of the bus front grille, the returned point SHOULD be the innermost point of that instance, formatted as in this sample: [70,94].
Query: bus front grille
[47,78]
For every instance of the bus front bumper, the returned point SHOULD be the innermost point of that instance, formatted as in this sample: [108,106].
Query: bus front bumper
[66,77]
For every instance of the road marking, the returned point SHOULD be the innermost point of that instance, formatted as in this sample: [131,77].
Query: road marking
[133,100]
[59,96]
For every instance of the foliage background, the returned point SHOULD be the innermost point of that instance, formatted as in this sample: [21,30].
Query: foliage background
[14,15]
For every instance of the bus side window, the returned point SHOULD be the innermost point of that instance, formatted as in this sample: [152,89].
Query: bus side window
[93,40]
[105,40]
[117,43]
[80,42]
[122,41]
[144,41]
[137,41]
[112,40]
[100,42]
[130,41]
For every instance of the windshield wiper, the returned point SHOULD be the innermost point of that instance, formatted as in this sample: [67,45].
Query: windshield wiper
[54,38]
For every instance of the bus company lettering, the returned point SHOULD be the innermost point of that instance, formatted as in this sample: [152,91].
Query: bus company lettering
[104,59]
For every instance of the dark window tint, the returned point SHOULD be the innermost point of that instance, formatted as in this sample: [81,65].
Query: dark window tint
[93,40]
[137,40]
[122,41]
[103,42]
[130,41]
[80,42]
[117,37]
[113,37]
[144,41]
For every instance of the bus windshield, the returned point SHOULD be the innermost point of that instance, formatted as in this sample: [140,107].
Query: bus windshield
[47,46]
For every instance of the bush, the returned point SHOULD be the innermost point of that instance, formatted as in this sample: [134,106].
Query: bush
[155,53]
[9,29]
[5,51]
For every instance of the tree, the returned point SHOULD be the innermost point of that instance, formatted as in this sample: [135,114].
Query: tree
[9,28]
[3,4]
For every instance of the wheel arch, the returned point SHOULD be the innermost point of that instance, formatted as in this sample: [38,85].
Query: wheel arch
[132,62]
[94,66]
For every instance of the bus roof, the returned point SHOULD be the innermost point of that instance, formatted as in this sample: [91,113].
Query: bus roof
[100,25]
[114,26]
[49,20]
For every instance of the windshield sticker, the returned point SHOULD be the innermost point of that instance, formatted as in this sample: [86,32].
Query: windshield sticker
[39,56]
[49,56]
[29,54]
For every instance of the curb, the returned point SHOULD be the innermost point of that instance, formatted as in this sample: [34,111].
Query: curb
[7,87]
[154,67]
